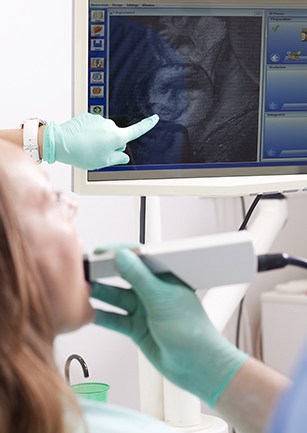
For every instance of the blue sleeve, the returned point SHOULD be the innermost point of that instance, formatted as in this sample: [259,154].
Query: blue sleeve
[291,412]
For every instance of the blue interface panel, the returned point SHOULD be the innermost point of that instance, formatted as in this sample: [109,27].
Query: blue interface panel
[229,83]
[285,69]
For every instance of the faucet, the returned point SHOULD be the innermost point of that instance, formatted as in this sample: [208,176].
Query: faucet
[82,363]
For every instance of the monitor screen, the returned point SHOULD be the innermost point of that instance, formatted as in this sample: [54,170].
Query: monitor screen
[228,83]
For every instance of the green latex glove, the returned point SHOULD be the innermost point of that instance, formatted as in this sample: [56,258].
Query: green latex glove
[166,319]
[90,141]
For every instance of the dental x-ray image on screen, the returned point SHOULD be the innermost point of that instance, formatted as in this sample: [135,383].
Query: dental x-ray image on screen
[198,75]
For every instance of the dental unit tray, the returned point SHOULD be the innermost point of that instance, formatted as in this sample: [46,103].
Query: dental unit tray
[200,262]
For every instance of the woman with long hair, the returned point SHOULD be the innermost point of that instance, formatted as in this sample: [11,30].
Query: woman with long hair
[32,393]
[43,293]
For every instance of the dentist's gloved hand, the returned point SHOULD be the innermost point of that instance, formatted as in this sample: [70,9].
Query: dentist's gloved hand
[90,141]
[167,321]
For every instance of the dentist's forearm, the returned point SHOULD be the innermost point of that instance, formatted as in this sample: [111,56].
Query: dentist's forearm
[16,136]
[249,400]
[12,135]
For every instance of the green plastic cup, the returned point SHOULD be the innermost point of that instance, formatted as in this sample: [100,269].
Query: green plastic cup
[96,391]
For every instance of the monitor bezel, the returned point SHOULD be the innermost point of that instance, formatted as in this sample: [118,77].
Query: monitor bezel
[224,181]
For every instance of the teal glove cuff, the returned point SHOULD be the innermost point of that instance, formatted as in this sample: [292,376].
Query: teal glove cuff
[52,135]
[241,358]
[48,145]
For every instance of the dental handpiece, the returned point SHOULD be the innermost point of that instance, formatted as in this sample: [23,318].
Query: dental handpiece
[200,262]
[97,266]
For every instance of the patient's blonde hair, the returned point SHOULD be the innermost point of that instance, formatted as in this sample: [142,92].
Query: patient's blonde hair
[32,392]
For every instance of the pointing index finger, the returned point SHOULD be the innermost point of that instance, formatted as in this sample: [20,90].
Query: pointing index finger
[135,131]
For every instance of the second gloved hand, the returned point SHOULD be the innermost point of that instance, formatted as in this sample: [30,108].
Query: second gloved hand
[90,141]
[167,321]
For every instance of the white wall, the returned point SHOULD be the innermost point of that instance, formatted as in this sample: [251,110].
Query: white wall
[35,50]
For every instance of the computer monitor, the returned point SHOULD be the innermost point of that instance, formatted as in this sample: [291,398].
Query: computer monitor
[227,78]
